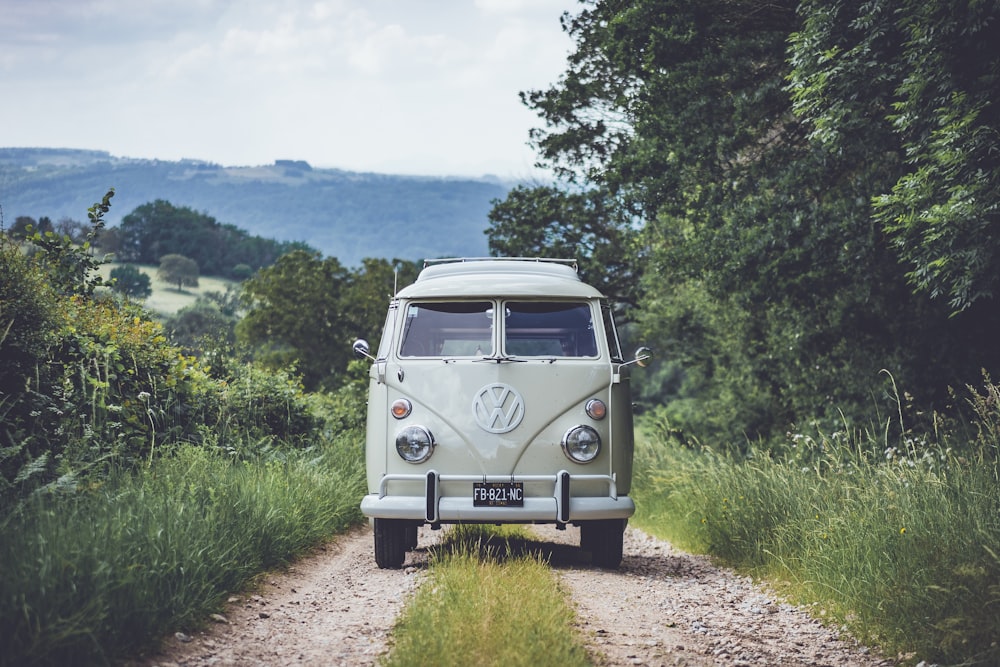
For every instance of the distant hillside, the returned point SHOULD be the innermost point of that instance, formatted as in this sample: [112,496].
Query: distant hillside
[344,214]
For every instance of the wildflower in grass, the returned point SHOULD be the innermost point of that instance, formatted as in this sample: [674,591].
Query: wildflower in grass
[902,531]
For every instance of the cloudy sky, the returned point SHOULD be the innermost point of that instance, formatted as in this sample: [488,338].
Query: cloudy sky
[392,86]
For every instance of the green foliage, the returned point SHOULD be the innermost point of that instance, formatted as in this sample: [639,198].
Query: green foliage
[129,281]
[306,311]
[546,222]
[929,71]
[137,485]
[257,411]
[159,228]
[768,277]
[89,385]
[207,328]
[93,578]
[71,267]
[895,537]
[294,313]
[24,226]
[178,269]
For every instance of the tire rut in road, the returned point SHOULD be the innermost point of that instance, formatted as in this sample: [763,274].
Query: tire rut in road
[332,607]
[667,607]
[662,607]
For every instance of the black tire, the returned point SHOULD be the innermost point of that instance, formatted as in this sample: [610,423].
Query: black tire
[604,539]
[390,543]
[411,536]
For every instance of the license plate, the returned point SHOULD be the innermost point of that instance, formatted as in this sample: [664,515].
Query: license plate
[498,494]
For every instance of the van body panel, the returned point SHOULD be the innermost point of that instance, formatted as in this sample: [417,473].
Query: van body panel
[498,373]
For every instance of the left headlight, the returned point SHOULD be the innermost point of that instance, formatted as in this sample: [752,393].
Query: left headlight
[415,444]
[581,444]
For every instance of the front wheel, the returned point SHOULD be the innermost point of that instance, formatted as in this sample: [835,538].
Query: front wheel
[604,539]
[391,540]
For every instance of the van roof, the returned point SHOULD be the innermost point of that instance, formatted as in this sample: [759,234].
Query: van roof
[491,277]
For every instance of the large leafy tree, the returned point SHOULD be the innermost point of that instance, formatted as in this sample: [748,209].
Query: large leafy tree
[930,76]
[545,221]
[129,281]
[295,316]
[178,269]
[368,291]
[769,278]
[160,228]
[306,310]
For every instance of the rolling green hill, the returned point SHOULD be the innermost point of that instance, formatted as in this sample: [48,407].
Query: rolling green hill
[166,299]
[344,214]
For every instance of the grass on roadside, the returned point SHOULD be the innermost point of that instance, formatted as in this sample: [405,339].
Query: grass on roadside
[904,553]
[96,576]
[486,604]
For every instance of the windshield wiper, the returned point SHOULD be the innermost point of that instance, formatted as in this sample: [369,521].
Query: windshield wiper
[501,359]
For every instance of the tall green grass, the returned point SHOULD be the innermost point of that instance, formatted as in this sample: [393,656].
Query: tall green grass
[89,578]
[487,603]
[902,550]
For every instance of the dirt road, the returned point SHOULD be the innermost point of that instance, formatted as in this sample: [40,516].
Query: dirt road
[663,607]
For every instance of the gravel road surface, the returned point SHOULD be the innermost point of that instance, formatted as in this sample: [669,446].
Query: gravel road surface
[663,607]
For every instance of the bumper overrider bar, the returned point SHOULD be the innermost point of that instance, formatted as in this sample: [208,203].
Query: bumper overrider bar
[434,508]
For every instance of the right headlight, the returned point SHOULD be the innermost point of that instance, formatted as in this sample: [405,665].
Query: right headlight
[581,444]
[415,444]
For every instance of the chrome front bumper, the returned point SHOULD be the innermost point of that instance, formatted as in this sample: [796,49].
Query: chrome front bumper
[560,507]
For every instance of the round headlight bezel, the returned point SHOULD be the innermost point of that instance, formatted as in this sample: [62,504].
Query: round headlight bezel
[415,443]
[578,451]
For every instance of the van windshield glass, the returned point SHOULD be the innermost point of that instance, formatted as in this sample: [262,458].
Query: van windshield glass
[451,329]
[549,329]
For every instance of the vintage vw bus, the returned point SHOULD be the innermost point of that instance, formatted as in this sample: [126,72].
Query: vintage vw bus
[499,394]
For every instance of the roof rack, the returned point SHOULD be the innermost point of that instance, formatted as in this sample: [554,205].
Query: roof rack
[457,260]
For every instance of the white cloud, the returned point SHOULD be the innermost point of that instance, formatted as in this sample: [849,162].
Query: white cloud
[381,85]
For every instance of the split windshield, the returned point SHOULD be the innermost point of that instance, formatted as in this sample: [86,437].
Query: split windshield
[529,329]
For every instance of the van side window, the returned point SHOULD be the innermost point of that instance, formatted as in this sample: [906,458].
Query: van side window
[448,329]
[549,329]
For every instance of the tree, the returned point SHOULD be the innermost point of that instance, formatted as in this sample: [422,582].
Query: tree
[74,229]
[160,228]
[930,75]
[766,268]
[368,291]
[178,269]
[544,221]
[129,281]
[306,310]
[294,317]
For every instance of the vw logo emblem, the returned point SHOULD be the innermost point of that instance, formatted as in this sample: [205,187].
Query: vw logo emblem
[498,408]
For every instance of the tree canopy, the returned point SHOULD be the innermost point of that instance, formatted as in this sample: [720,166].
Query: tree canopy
[816,185]
[178,269]
[159,228]
[306,310]
[545,221]
[129,281]
[931,76]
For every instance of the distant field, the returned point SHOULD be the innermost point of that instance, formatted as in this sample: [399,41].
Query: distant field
[165,298]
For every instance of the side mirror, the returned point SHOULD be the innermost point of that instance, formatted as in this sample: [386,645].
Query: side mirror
[361,349]
[643,356]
